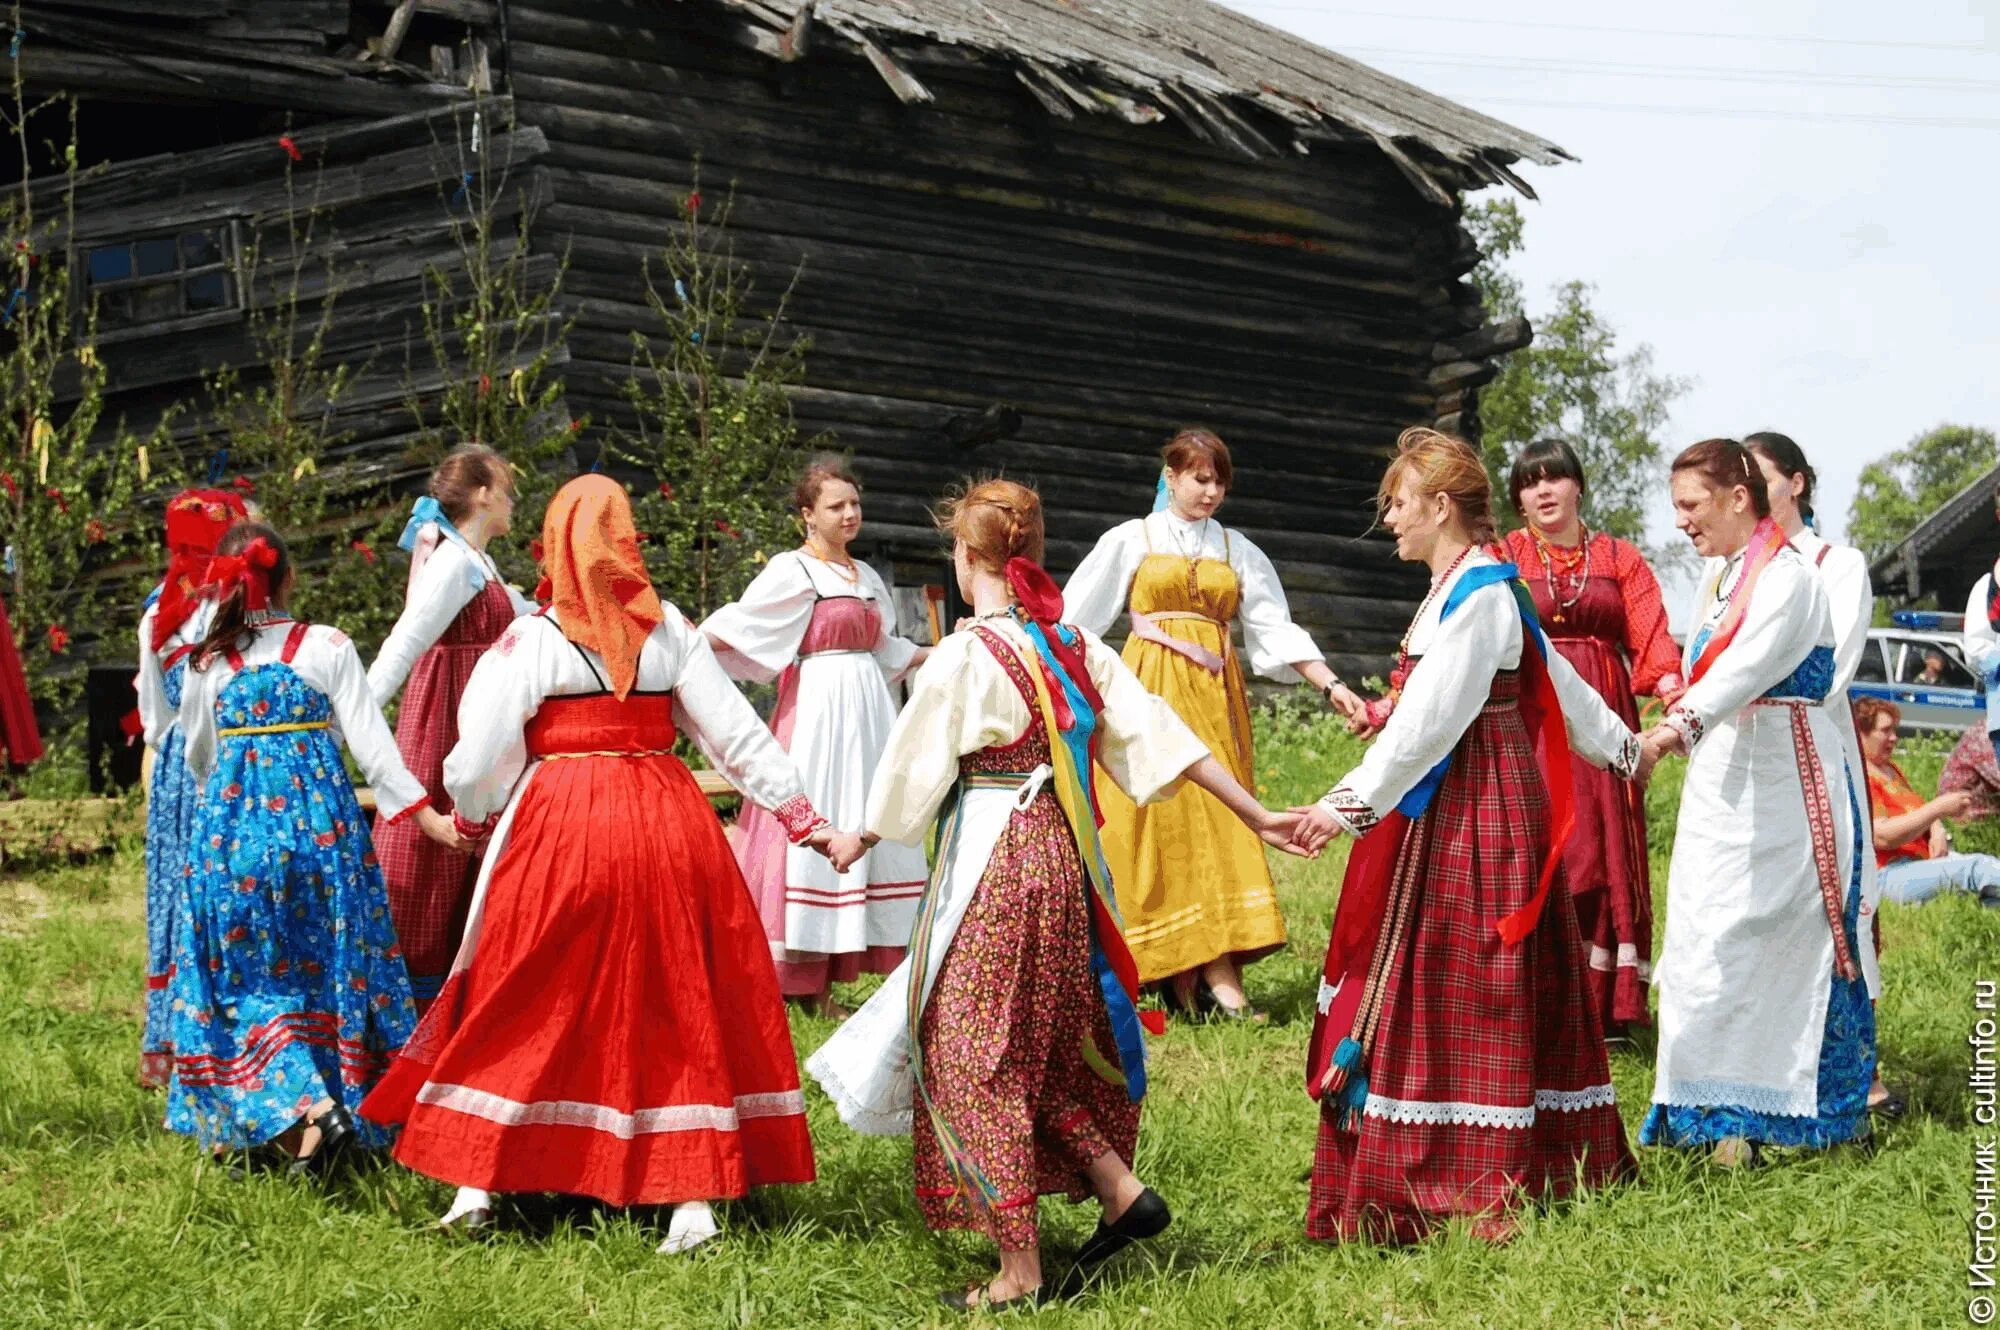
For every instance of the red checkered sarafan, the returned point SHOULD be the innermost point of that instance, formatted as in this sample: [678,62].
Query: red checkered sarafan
[1488,1083]
[430,887]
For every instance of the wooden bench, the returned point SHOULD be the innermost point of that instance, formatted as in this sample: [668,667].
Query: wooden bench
[83,826]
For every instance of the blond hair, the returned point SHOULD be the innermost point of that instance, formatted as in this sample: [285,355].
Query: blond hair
[1442,464]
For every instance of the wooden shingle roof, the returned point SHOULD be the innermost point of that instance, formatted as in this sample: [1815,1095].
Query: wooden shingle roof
[1230,79]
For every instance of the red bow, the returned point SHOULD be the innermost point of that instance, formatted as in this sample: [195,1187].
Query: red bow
[250,569]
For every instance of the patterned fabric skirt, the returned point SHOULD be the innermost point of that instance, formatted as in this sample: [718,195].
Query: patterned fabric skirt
[1003,1039]
[170,803]
[430,885]
[288,986]
[1605,856]
[1973,768]
[1488,1084]
[618,1032]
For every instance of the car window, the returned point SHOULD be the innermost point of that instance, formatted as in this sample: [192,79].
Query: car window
[1872,668]
[1923,664]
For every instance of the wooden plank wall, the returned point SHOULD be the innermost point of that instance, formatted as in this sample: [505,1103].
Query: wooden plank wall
[384,189]
[1107,281]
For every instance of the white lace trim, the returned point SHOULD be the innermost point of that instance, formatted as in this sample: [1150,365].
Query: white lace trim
[1437,1113]
[1734,1094]
[859,1117]
[1571,1101]
[1626,958]
[601,1117]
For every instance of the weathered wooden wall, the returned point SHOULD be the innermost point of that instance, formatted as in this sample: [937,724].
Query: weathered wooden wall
[1107,281]
[379,198]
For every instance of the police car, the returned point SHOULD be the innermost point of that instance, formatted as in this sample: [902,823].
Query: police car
[1919,664]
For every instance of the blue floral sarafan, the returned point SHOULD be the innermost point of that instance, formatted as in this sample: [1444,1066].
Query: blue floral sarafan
[170,801]
[288,985]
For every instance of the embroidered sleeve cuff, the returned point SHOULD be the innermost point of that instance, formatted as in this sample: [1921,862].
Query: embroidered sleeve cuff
[1626,760]
[473,830]
[1350,810]
[403,815]
[1689,725]
[799,818]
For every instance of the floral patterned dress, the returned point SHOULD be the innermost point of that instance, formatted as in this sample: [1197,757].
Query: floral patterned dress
[288,984]
[170,803]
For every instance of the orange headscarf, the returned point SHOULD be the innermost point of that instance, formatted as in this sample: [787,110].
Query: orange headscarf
[594,578]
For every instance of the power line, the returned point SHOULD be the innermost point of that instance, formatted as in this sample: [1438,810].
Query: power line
[1280,6]
[1715,73]
[1750,113]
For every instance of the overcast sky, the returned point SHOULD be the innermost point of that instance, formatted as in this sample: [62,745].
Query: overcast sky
[1796,204]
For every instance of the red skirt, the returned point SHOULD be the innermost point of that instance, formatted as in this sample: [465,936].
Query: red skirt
[1605,857]
[1488,1083]
[618,1033]
[430,886]
[20,737]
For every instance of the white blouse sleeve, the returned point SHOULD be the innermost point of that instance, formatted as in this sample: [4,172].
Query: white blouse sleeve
[712,712]
[758,636]
[1100,589]
[506,689]
[1786,618]
[198,715]
[1441,698]
[155,715]
[892,653]
[1850,600]
[1272,641]
[445,585]
[523,605]
[1979,640]
[1143,745]
[366,734]
[961,701]
[1597,734]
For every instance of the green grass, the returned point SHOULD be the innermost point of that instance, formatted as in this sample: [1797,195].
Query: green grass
[105,1220]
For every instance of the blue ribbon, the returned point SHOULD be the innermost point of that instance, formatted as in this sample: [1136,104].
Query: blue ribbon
[426,510]
[1126,1031]
[464,187]
[1413,804]
[14,47]
[1160,492]
[217,464]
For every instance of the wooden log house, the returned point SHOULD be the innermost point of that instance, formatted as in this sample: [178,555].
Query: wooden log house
[1030,236]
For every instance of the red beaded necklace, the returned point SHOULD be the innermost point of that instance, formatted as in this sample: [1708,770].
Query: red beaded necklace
[1571,561]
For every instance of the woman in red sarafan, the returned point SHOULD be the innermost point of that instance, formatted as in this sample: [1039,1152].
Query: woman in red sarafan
[1600,605]
[20,738]
[611,1026]
[1459,1069]
[455,608]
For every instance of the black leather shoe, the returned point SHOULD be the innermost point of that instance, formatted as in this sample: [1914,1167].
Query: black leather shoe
[1146,1217]
[336,1133]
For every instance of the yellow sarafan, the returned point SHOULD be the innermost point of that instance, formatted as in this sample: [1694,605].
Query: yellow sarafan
[1191,880]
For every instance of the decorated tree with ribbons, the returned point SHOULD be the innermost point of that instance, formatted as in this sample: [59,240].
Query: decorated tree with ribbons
[75,540]
[495,335]
[715,430]
[274,425]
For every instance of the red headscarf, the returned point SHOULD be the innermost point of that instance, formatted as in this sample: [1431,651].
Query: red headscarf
[196,520]
[249,568]
[594,578]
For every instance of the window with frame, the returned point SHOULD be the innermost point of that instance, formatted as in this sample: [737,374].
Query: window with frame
[162,280]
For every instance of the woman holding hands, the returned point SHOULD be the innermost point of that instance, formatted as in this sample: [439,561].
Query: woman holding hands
[1459,1066]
